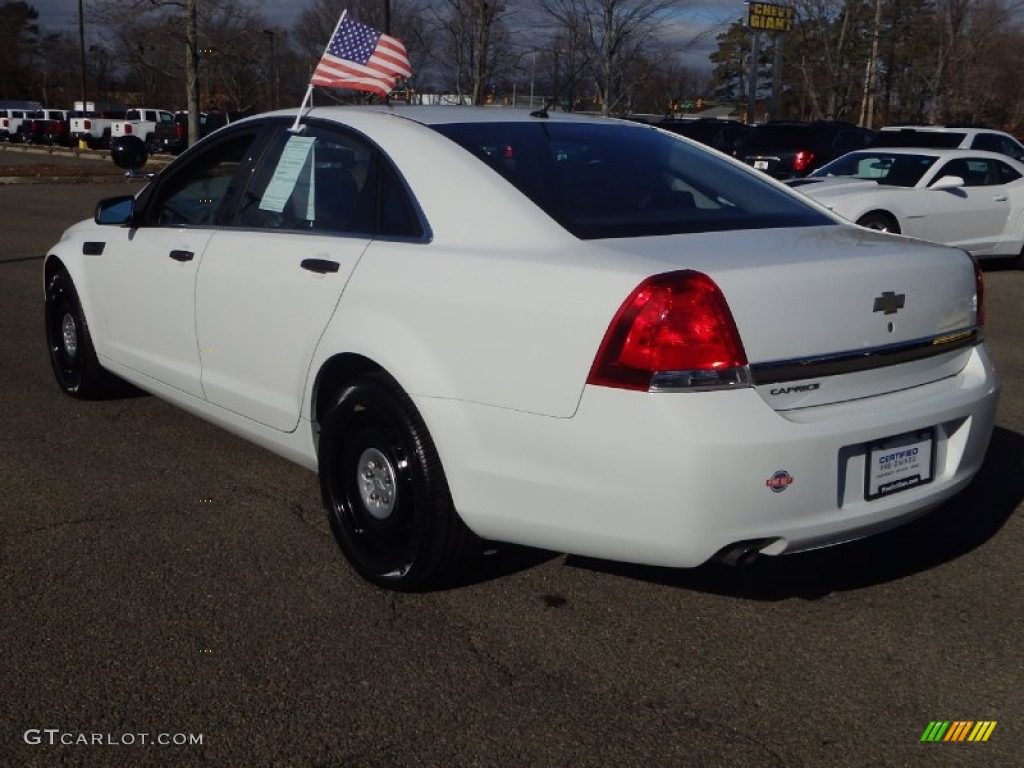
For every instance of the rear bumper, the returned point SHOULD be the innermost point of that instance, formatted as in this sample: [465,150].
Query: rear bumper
[670,479]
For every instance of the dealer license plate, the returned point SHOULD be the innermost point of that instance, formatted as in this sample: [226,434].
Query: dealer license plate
[761,165]
[899,463]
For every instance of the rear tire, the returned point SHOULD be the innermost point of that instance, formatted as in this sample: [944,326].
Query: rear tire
[879,221]
[72,355]
[384,489]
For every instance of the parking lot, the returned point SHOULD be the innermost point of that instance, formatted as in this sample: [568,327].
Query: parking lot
[161,578]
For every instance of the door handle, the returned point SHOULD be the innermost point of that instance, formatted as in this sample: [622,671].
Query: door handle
[320,266]
[1001,198]
[181,255]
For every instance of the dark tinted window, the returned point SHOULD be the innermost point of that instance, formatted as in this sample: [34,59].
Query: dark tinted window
[311,180]
[193,195]
[327,180]
[847,141]
[397,216]
[975,171]
[912,138]
[994,142]
[601,181]
[1006,173]
[772,136]
[884,167]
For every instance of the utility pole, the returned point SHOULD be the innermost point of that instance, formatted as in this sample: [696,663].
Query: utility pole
[192,70]
[755,54]
[81,45]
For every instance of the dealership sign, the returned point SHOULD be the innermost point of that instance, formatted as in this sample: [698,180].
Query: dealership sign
[767,16]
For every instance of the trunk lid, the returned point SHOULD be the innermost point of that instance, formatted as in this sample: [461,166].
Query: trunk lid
[833,313]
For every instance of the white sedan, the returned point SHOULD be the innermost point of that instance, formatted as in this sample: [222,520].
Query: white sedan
[971,199]
[561,331]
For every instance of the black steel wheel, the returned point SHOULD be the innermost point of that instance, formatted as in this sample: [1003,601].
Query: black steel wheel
[72,355]
[385,490]
[880,221]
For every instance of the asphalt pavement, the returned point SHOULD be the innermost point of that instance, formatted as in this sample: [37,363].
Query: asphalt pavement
[161,580]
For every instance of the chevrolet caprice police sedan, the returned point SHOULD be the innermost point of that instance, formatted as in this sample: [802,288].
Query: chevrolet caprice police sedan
[562,331]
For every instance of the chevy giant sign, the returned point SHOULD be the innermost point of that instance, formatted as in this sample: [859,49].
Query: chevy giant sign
[775,18]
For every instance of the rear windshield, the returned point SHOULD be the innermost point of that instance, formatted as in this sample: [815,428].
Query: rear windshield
[617,180]
[771,136]
[911,138]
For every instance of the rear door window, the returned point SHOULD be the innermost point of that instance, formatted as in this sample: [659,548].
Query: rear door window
[327,179]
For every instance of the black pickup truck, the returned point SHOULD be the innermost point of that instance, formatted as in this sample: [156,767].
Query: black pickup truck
[173,137]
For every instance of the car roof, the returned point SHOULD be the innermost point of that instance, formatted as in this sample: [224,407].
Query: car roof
[943,129]
[441,115]
[942,154]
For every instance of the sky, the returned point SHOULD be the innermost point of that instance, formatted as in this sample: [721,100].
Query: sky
[694,16]
[62,15]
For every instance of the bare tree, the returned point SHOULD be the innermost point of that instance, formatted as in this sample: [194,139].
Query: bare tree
[613,31]
[470,44]
[165,42]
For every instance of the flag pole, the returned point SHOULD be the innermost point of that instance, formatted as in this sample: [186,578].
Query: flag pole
[296,128]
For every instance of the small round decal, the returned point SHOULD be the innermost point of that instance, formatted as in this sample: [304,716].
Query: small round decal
[780,481]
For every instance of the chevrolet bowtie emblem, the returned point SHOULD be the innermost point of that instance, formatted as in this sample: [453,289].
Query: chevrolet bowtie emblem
[890,303]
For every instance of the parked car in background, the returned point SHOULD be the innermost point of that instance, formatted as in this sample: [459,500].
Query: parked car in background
[91,122]
[723,135]
[791,149]
[10,122]
[12,112]
[46,126]
[949,137]
[173,137]
[141,123]
[967,198]
[634,348]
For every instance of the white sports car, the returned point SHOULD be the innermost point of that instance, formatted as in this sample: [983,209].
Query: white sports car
[556,330]
[963,197]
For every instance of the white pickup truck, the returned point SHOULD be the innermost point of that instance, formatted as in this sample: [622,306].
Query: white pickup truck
[10,122]
[92,122]
[141,123]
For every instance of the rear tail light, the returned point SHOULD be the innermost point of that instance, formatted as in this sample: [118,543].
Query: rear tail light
[179,131]
[802,160]
[87,125]
[127,128]
[673,332]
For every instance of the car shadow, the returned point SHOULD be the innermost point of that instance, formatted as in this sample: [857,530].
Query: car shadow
[491,560]
[961,525]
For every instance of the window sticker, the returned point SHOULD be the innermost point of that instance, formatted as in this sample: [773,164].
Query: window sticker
[295,156]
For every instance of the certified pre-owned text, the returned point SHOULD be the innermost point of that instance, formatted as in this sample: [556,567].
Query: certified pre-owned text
[55,737]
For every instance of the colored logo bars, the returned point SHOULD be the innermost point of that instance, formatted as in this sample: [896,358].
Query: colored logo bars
[958,730]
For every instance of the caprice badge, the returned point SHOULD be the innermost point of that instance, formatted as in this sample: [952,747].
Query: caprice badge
[890,302]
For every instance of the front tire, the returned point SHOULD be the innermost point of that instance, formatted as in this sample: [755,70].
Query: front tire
[72,355]
[384,489]
[879,221]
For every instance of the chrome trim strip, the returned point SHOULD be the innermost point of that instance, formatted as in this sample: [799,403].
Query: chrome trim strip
[820,366]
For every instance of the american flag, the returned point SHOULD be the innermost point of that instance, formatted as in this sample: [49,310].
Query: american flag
[361,58]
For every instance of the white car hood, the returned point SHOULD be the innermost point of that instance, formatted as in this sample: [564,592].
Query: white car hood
[838,187]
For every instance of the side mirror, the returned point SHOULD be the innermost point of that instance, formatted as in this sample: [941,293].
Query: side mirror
[128,152]
[115,211]
[947,182]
